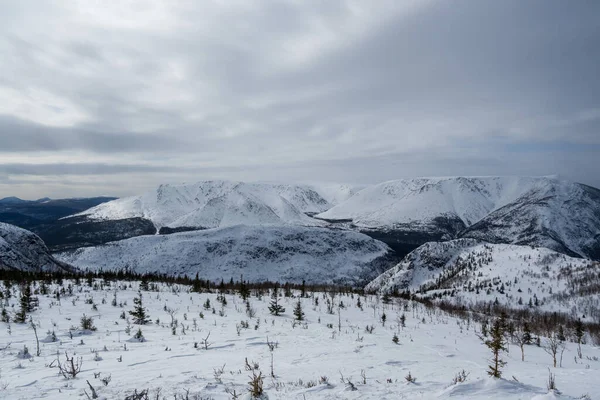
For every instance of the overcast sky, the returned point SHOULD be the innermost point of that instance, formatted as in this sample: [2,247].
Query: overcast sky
[114,97]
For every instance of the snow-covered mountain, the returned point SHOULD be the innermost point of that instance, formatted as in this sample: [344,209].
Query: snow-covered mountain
[404,214]
[468,271]
[25,251]
[258,253]
[421,201]
[546,211]
[556,214]
[213,204]
[336,193]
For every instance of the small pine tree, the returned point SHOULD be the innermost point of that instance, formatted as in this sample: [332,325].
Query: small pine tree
[298,313]
[4,316]
[275,308]
[561,334]
[484,328]
[25,303]
[244,291]
[497,344]
[140,317]
[87,323]
[527,338]
[139,335]
[144,284]
[197,285]
[386,298]
[579,333]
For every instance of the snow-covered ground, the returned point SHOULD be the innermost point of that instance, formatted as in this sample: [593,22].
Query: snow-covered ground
[308,362]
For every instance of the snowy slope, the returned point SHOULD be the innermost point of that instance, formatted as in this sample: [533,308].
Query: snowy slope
[420,201]
[542,211]
[259,253]
[336,193]
[23,250]
[212,204]
[560,215]
[469,271]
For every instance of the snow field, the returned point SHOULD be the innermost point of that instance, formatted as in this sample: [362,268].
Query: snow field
[432,347]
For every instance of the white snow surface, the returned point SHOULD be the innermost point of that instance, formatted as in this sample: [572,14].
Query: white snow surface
[212,204]
[432,346]
[406,201]
[23,250]
[258,253]
[467,271]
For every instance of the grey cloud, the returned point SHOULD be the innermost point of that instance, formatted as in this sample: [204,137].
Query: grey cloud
[81,169]
[23,136]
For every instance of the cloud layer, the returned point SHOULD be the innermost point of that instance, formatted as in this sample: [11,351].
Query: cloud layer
[113,97]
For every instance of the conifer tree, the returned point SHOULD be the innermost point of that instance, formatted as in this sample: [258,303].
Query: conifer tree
[144,284]
[578,332]
[196,285]
[25,303]
[244,291]
[386,298]
[298,313]
[287,290]
[140,317]
[497,344]
[527,333]
[275,308]
[561,334]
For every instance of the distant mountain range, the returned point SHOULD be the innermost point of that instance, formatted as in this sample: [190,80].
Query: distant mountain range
[154,230]
[30,214]
[42,216]
[204,205]
[540,211]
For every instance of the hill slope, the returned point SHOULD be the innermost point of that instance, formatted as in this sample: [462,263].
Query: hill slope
[25,251]
[560,215]
[467,271]
[258,253]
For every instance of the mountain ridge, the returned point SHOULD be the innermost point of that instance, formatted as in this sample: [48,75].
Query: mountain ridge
[25,251]
[258,253]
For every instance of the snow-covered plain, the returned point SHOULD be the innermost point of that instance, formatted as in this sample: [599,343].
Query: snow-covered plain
[432,347]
